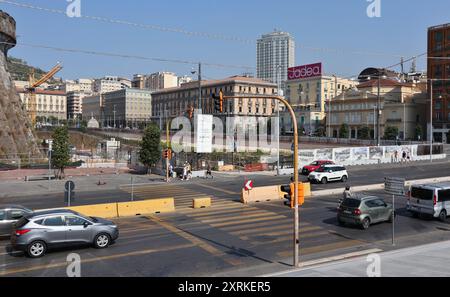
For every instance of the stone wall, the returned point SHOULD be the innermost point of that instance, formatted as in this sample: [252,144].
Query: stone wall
[16,134]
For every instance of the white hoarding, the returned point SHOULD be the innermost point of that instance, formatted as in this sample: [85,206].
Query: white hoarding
[203,133]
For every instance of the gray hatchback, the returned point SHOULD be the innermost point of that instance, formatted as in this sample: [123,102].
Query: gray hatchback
[35,233]
[364,211]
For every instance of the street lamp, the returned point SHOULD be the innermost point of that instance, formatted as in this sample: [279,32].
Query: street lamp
[199,72]
[380,75]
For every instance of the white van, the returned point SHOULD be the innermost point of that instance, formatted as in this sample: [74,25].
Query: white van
[430,199]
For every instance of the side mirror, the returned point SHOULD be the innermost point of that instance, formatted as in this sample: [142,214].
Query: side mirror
[330,171]
[85,224]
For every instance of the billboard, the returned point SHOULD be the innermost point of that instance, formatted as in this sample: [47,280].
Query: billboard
[305,71]
[203,133]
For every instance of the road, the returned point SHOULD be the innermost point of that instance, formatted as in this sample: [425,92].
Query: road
[228,239]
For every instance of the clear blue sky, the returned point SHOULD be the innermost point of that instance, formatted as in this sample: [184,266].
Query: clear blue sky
[342,25]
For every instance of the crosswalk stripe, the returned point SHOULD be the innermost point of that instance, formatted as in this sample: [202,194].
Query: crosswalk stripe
[253,225]
[286,230]
[237,217]
[247,221]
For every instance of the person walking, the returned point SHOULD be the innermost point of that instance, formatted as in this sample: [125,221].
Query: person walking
[208,171]
[396,156]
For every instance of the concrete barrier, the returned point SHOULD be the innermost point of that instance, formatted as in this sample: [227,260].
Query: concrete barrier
[261,194]
[108,210]
[200,173]
[135,208]
[201,202]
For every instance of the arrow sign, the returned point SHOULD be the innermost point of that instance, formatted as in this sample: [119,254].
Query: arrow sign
[248,185]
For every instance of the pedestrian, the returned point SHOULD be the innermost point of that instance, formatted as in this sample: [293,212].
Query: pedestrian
[185,172]
[396,156]
[408,157]
[170,170]
[208,171]
[404,156]
[347,193]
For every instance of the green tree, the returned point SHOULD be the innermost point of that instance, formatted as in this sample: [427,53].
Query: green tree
[364,133]
[390,133]
[343,131]
[150,146]
[61,151]
[419,133]
[83,126]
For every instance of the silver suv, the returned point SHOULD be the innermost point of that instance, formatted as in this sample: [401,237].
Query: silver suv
[36,232]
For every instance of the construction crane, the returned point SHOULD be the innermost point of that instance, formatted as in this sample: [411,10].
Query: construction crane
[31,89]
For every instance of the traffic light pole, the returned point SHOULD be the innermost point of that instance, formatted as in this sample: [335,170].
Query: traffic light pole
[296,212]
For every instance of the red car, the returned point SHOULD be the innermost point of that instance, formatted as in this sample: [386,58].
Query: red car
[315,165]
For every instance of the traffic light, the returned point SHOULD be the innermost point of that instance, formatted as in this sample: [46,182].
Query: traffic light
[289,189]
[165,154]
[218,102]
[169,154]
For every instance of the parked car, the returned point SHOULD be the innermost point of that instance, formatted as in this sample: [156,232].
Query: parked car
[364,211]
[37,232]
[327,173]
[306,170]
[10,214]
[429,199]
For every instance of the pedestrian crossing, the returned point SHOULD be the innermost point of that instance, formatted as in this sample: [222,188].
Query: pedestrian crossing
[182,196]
[264,228]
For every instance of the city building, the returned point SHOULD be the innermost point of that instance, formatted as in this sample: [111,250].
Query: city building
[93,107]
[127,108]
[79,85]
[49,104]
[275,53]
[75,104]
[22,84]
[308,90]
[138,81]
[107,84]
[439,81]
[402,105]
[161,80]
[173,102]
[184,79]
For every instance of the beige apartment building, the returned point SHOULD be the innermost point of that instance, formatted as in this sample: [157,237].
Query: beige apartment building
[173,102]
[308,97]
[402,105]
[48,103]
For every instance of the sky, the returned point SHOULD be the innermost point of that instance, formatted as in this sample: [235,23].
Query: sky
[337,33]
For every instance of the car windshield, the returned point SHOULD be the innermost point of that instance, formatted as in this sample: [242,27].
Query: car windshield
[94,219]
[351,202]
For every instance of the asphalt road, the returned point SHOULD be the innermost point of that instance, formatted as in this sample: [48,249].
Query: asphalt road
[228,239]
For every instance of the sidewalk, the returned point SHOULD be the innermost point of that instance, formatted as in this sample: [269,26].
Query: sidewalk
[431,260]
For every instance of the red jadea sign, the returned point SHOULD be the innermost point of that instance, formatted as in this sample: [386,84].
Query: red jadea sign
[305,71]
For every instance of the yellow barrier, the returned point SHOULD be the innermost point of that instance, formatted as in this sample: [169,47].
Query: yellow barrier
[126,209]
[261,194]
[307,189]
[201,202]
[108,210]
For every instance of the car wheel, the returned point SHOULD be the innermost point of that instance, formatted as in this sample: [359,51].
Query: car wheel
[344,178]
[102,241]
[324,180]
[443,216]
[365,223]
[36,249]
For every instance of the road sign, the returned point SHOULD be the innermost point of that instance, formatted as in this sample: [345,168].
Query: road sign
[248,185]
[69,185]
[394,185]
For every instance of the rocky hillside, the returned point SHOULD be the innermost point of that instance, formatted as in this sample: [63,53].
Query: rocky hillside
[19,70]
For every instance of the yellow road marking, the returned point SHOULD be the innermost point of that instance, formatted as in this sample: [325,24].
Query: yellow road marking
[247,221]
[198,242]
[84,261]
